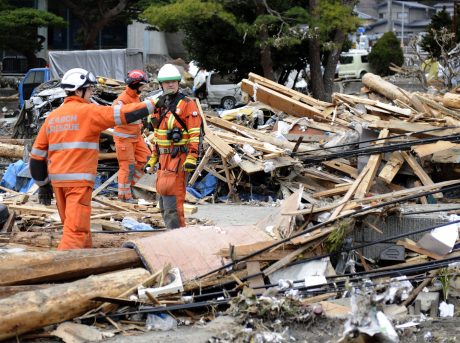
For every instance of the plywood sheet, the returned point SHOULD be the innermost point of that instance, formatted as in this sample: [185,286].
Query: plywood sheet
[194,250]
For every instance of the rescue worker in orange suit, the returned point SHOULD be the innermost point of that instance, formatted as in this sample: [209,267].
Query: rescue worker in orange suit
[132,152]
[176,140]
[66,150]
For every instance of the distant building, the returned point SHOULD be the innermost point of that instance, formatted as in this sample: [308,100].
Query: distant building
[157,46]
[408,19]
[448,6]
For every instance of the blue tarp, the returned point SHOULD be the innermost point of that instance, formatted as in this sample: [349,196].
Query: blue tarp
[204,187]
[17,178]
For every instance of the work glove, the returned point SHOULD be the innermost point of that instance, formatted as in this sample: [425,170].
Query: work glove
[189,164]
[45,194]
[161,101]
[150,165]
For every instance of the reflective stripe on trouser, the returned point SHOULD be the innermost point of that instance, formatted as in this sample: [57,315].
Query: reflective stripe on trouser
[172,204]
[141,154]
[126,164]
[132,157]
[74,206]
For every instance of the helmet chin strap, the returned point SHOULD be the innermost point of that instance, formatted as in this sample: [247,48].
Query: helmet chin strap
[83,92]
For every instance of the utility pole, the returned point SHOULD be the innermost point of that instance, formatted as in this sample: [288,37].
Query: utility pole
[390,15]
[403,19]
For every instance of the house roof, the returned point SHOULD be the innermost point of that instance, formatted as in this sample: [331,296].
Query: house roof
[413,24]
[408,4]
[444,4]
[365,16]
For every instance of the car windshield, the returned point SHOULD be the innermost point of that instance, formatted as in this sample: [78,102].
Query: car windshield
[346,59]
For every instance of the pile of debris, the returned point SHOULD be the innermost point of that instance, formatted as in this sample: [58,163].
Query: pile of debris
[367,229]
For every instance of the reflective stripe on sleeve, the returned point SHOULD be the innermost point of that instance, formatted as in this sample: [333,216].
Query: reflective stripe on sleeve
[123,135]
[72,177]
[74,145]
[149,105]
[38,152]
[117,115]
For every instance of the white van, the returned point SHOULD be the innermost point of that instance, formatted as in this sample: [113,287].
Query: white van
[217,90]
[353,64]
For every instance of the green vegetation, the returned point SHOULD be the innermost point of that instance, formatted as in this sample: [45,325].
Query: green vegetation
[386,50]
[18,29]
[266,37]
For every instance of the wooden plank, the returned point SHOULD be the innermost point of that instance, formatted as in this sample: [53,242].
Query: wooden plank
[419,171]
[332,191]
[373,165]
[349,194]
[403,127]
[439,146]
[216,174]
[342,167]
[287,91]
[285,260]
[256,282]
[413,247]
[105,184]
[201,165]
[392,167]
[281,102]
[317,298]
[387,196]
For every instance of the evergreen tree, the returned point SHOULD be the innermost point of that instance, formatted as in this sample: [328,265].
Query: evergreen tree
[263,36]
[386,50]
[18,29]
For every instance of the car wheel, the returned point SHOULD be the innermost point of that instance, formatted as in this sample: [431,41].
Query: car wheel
[362,74]
[228,103]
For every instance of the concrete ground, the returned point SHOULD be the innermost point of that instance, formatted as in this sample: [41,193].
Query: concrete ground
[222,214]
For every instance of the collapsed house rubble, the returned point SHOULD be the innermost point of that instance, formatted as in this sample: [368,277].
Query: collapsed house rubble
[366,233]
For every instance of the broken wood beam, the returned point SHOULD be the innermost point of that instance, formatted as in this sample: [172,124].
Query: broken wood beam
[419,171]
[373,165]
[104,185]
[283,103]
[31,310]
[391,169]
[50,266]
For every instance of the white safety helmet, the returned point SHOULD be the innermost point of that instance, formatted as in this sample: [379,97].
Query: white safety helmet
[77,78]
[168,73]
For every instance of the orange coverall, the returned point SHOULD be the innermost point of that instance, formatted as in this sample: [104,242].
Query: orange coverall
[132,152]
[171,179]
[68,142]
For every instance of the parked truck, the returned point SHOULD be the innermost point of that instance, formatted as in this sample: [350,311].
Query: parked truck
[39,91]
[113,63]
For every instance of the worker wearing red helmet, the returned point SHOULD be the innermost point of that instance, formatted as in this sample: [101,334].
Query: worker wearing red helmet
[132,152]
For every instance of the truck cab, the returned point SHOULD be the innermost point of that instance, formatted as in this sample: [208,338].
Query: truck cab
[353,64]
[33,78]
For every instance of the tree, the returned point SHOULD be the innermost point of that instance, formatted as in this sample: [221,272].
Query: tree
[18,29]
[386,50]
[260,35]
[440,21]
[94,15]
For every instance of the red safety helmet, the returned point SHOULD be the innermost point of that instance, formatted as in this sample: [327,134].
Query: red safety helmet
[135,77]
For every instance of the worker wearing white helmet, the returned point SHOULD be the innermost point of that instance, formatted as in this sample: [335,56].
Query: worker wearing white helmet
[66,152]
